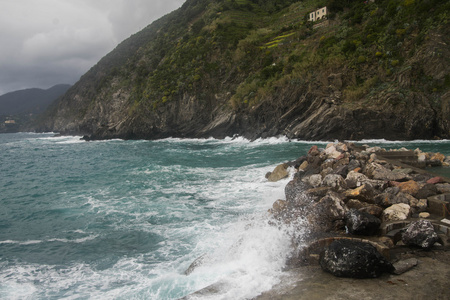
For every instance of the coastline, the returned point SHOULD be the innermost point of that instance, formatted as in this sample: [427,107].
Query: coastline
[305,279]
[427,280]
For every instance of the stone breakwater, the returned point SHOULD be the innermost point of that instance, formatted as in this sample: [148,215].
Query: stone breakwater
[361,202]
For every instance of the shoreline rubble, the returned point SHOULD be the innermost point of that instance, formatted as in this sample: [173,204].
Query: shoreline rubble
[354,195]
[349,191]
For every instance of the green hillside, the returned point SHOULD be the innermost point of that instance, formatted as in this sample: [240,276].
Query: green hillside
[252,62]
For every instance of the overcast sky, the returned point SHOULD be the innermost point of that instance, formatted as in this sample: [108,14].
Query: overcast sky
[48,42]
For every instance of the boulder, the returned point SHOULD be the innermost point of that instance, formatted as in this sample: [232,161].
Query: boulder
[378,172]
[373,210]
[342,147]
[328,214]
[420,233]
[341,170]
[410,187]
[387,199]
[318,192]
[332,152]
[294,191]
[426,191]
[314,180]
[278,173]
[396,212]
[361,223]
[278,208]
[353,164]
[334,181]
[303,165]
[355,259]
[364,193]
[418,205]
[355,179]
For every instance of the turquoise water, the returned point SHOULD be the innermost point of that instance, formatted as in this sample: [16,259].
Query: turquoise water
[124,219]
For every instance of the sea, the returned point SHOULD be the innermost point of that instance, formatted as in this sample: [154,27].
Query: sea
[121,219]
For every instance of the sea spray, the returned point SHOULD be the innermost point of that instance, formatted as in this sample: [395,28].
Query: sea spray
[125,219]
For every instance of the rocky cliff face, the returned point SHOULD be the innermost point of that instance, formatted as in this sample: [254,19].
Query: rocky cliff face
[217,68]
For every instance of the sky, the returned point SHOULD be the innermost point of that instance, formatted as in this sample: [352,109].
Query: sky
[49,42]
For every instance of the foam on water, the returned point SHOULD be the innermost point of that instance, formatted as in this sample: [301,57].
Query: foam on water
[125,219]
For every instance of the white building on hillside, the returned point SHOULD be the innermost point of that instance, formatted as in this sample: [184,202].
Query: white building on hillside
[319,14]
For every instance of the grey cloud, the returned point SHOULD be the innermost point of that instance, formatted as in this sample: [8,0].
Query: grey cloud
[48,42]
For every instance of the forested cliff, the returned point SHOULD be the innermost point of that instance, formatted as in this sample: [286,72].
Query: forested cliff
[372,69]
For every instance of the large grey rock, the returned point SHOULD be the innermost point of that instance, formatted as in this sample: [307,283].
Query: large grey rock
[328,214]
[334,181]
[355,259]
[314,180]
[355,179]
[379,172]
[420,233]
[361,223]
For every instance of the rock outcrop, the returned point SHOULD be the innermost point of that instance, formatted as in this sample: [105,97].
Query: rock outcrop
[345,190]
[347,258]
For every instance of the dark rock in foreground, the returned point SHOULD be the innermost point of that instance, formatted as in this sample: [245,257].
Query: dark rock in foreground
[420,233]
[347,258]
[361,223]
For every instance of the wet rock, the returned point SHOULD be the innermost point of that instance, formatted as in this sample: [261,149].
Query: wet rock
[278,208]
[303,165]
[328,214]
[396,212]
[298,162]
[405,265]
[361,223]
[355,179]
[378,172]
[278,173]
[341,170]
[364,193]
[294,191]
[334,181]
[318,192]
[420,233]
[196,263]
[353,164]
[355,259]
[373,210]
[314,180]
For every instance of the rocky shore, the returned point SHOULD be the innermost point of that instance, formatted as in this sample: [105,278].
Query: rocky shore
[372,214]
[377,225]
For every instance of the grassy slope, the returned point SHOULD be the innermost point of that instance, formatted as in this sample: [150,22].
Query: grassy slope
[249,50]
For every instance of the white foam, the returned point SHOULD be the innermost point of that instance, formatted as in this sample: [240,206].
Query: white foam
[384,141]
